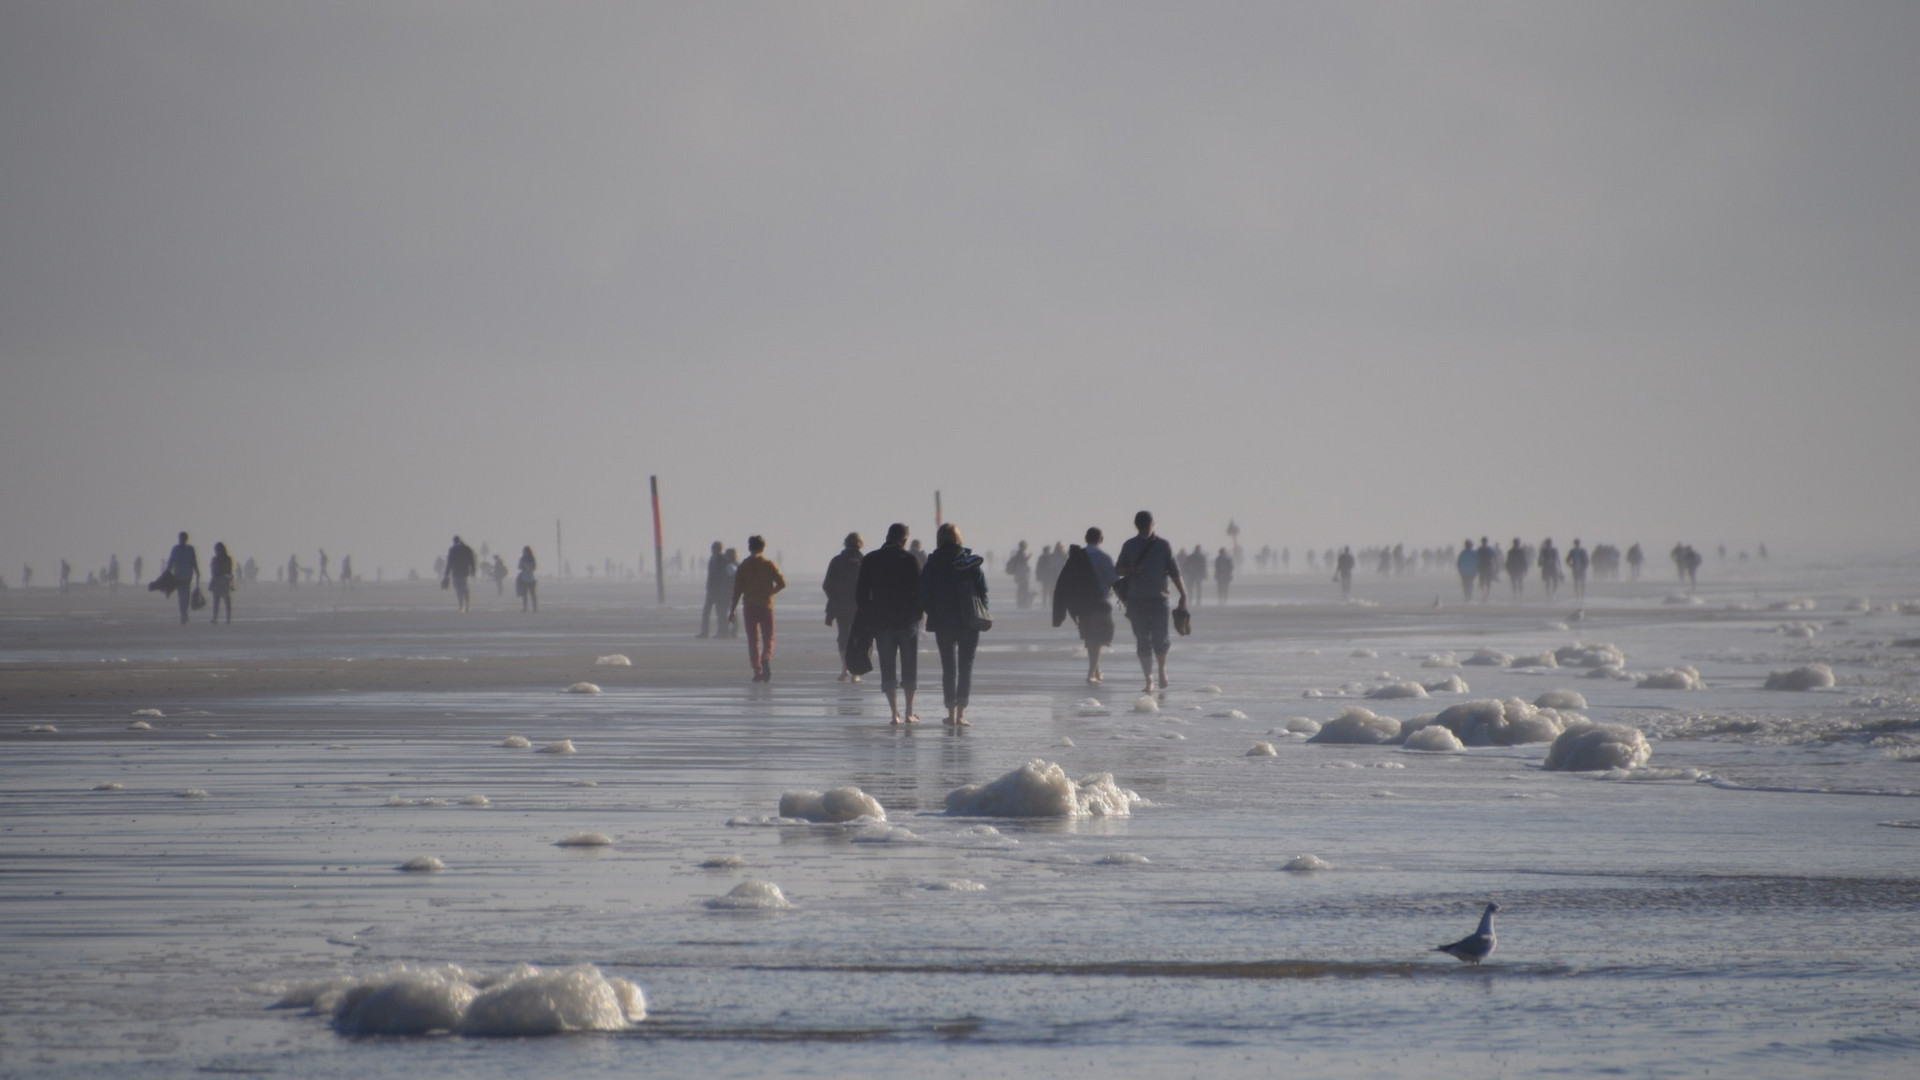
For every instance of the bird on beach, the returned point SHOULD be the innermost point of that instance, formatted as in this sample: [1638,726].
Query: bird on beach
[1476,946]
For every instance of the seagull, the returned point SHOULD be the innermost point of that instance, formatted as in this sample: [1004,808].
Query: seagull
[1476,946]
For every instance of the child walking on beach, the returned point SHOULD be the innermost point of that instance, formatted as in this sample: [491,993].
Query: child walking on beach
[755,583]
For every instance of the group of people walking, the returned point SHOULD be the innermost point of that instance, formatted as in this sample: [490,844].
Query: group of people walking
[880,602]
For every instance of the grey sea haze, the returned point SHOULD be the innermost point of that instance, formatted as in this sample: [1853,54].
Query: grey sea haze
[194,894]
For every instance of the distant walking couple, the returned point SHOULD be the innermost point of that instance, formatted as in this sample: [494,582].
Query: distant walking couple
[894,593]
[1140,577]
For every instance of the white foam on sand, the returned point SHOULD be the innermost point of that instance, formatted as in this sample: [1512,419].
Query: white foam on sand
[1590,747]
[1358,726]
[956,885]
[1536,660]
[1810,677]
[1230,714]
[1146,704]
[1363,654]
[1489,658]
[1122,858]
[585,839]
[1300,725]
[1452,684]
[1561,699]
[1686,677]
[110,785]
[1441,660]
[1395,690]
[882,833]
[1504,723]
[723,862]
[42,729]
[616,660]
[563,746]
[585,783]
[151,714]
[583,688]
[838,805]
[423,864]
[526,1001]
[139,725]
[1582,654]
[1307,864]
[1607,671]
[476,800]
[1041,789]
[1263,749]
[515,742]
[1090,707]
[194,793]
[1434,739]
[1210,689]
[751,896]
[1065,743]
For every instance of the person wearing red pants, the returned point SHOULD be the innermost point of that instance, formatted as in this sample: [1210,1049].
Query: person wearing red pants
[753,587]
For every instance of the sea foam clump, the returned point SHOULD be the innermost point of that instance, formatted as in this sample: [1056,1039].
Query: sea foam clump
[1503,723]
[583,688]
[1810,677]
[1452,684]
[616,660]
[559,746]
[1263,749]
[424,864]
[1581,654]
[1358,726]
[526,1001]
[1537,660]
[515,742]
[1395,690]
[838,805]
[1680,678]
[1590,747]
[1561,699]
[751,896]
[1307,864]
[1434,739]
[1489,658]
[1041,789]
[1441,660]
[585,839]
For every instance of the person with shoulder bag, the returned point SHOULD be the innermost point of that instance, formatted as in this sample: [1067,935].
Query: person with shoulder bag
[953,592]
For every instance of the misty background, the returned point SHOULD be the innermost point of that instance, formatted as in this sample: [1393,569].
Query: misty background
[362,276]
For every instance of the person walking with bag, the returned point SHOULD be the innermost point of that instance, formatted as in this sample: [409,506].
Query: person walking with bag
[1147,563]
[840,585]
[220,581]
[184,564]
[953,592]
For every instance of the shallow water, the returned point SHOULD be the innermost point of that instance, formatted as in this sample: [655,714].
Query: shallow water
[1745,904]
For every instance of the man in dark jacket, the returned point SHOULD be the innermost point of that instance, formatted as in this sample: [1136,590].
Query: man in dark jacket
[1086,575]
[461,565]
[1149,564]
[842,581]
[887,602]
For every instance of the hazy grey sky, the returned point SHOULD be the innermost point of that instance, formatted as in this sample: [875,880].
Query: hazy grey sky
[362,275]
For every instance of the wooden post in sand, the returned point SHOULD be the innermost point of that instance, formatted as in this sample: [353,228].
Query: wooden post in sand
[938,520]
[659,547]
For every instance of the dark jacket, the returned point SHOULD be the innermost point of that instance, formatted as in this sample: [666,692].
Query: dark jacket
[887,591]
[952,574]
[1077,592]
[843,574]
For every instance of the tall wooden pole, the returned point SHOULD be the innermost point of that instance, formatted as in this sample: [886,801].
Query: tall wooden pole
[559,552]
[659,546]
[938,519]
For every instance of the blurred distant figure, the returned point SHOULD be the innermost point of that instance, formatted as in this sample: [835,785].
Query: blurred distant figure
[220,581]
[1343,571]
[26,575]
[1193,567]
[113,572]
[1468,564]
[919,553]
[1635,557]
[1549,567]
[1577,561]
[462,564]
[346,570]
[293,571]
[755,582]
[525,585]
[139,568]
[1517,566]
[886,592]
[1690,566]
[498,571]
[249,569]
[184,564]
[1679,557]
[66,576]
[842,585]
[324,579]
[1021,569]
[1222,574]
[1487,564]
[719,586]
[1046,569]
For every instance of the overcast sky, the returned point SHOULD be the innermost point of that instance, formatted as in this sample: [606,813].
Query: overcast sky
[363,275]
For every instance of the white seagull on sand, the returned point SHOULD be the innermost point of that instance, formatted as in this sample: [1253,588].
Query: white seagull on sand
[1476,946]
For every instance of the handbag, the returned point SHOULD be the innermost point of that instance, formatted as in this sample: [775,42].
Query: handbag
[199,599]
[1182,621]
[975,615]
